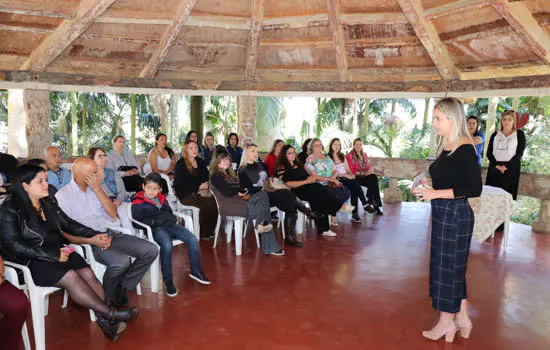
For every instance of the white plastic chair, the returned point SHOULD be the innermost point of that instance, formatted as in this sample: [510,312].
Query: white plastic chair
[11,276]
[38,297]
[240,229]
[149,235]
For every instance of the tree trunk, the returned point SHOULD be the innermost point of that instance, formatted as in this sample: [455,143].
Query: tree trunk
[37,109]
[74,124]
[246,119]
[17,139]
[196,112]
[133,123]
[354,120]
[364,128]
[491,122]
[393,105]
[84,131]
[515,103]
[426,112]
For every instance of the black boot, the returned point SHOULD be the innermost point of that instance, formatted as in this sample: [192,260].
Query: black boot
[308,211]
[116,315]
[110,330]
[122,298]
[290,230]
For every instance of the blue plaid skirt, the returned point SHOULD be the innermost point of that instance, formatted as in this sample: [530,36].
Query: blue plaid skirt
[452,227]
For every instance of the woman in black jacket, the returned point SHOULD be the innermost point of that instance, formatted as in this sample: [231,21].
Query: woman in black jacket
[192,187]
[33,234]
[504,152]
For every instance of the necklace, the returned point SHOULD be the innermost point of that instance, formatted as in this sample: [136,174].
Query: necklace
[40,211]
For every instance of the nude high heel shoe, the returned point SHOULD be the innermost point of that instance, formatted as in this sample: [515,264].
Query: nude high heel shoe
[449,336]
[465,330]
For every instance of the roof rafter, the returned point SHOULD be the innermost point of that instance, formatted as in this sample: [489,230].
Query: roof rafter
[255,30]
[428,35]
[454,7]
[168,39]
[67,32]
[518,15]
[338,39]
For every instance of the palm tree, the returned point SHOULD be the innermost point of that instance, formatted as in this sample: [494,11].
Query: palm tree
[269,120]
[221,116]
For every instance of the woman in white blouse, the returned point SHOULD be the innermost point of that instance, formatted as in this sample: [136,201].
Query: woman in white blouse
[162,158]
[504,152]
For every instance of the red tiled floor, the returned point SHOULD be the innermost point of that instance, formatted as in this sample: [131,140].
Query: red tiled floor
[365,289]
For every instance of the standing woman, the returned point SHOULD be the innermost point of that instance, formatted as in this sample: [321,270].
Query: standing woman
[322,168]
[124,162]
[504,152]
[323,203]
[345,176]
[477,135]
[233,148]
[191,186]
[161,158]
[359,164]
[271,159]
[456,176]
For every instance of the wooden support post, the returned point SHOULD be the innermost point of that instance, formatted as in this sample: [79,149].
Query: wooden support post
[247,113]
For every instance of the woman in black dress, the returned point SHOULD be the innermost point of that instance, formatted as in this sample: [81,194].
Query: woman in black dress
[456,176]
[322,201]
[33,230]
[504,152]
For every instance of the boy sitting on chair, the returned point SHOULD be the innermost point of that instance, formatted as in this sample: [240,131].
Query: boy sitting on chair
[151,208]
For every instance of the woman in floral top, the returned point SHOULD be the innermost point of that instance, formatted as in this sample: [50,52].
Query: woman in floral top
[359,165]
[322,167]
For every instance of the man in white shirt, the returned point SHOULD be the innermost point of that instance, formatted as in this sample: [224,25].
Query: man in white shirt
[84,201]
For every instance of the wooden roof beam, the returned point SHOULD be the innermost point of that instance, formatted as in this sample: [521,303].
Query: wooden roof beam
[67,32]
[255,30]
[338,38]
[518,15]
[428,35]
[168,39]
[454,7]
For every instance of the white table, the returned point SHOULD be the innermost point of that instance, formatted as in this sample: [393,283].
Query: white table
[491,209]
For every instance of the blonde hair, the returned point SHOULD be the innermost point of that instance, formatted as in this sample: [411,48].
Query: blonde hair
[508,113]
[453,109]
[244,157]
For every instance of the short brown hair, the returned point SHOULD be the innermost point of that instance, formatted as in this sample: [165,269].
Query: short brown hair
[92,151]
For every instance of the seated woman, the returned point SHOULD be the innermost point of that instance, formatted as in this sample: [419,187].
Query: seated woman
[228,191]
[34,229]
[233,148]
[358,162]
[112,185]
[124,162]
[271,159]
[161,158]
[320,198]
[477,135]
[302,156]
[151,208]
[191,186]
[322,168]
[207,149]
[346,177]
[253,174]
[14,309]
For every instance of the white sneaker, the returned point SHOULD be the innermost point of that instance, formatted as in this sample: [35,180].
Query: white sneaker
[334,221]
[329,233]
[347,208]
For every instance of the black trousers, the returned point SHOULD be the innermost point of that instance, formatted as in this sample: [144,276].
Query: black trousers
[373,190]
[356,192]
[285,200]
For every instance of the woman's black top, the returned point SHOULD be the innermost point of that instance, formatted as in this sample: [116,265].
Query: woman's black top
[458,171]
[294,174]
[188,182]
[252,177]
[224,185]
[302,156]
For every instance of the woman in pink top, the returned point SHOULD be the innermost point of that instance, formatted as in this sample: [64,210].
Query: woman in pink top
[359,165]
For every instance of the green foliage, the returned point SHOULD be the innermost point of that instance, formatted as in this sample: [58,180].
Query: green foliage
[221,115]
[329,111]
[526,210]
[4,105]
[417,144]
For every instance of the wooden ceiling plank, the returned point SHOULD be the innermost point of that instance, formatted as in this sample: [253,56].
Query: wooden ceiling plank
[338,38]
[518,15]
[428,35]
[168,39]
[67,32]
[255,30]
[454,7]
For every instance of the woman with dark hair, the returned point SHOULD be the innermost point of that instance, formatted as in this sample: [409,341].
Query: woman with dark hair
[227,189]
[358,163]
[207,148]
[477,135]
[233,148]
[125,163]
[14,309]
[161,158]
[193,136]
[323,203]
[34,230]
[302,156]
[192,188]
[271,159]
[346,177]
[505,150]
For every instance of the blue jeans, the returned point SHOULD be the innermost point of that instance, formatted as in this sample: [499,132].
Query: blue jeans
[164,235]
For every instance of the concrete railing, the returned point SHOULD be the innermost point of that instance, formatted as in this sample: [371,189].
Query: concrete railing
[530,184]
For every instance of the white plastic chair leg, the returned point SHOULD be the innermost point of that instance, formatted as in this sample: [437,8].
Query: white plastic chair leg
[25,335]
[300,223]
[239,237]
[138,288]
[155,276]
[46,305]
[256,233]
[65,299]
[228,229]
[38,314]
[217,231]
